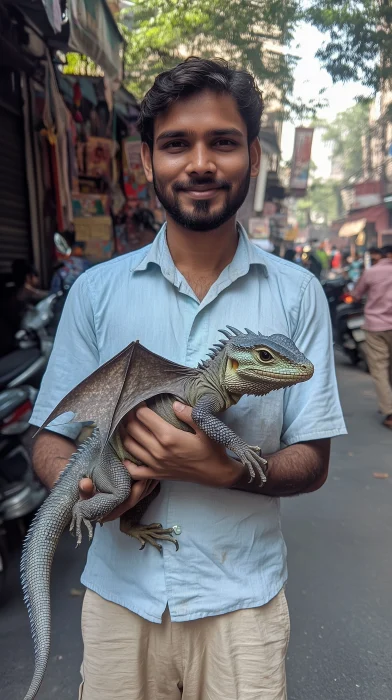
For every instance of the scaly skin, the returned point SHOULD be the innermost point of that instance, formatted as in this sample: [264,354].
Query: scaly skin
[243,364]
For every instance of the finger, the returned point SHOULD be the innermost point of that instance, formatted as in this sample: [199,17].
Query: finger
[184,413]
[143,436]
[142,453]
[156,425]
[86,488]
[140,489]
[140,472]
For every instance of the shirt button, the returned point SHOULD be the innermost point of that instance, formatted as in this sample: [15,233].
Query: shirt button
[177,529]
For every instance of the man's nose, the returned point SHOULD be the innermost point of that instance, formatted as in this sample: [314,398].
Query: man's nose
[201,161]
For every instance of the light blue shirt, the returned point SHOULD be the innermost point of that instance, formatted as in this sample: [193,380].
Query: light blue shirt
[232,554]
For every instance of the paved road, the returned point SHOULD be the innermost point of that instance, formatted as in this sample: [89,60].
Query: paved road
[340,586]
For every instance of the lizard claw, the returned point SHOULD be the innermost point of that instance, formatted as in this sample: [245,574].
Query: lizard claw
[251,459]
[76,525]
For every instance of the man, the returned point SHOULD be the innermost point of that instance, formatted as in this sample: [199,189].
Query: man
[376,285]
[375,255]
[209,620]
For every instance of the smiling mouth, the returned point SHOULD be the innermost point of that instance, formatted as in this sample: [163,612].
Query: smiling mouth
[206,193]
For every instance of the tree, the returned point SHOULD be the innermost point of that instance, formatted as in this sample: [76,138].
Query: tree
[359,45]
[321,204]
[250,34]
[346,134]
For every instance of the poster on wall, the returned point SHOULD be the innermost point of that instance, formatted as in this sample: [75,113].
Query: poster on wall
[135,183]
[99,157]
[301,160]
[259,227]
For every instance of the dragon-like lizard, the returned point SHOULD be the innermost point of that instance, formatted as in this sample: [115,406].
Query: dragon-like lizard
[241,363]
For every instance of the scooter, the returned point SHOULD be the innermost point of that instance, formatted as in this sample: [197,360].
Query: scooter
[28,362]
[348,327]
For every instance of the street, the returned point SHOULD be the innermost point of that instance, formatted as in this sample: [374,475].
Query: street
[340,570]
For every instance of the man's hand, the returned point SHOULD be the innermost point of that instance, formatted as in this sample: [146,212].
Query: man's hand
[168,453]
[140,489]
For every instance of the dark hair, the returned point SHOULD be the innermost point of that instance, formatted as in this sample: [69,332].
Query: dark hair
[386,250]
[196,75]
[374,249]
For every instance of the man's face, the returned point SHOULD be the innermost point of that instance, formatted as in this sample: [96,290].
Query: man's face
[201,162]
[374,258]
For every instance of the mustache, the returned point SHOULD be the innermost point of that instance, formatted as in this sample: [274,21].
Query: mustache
[195,182]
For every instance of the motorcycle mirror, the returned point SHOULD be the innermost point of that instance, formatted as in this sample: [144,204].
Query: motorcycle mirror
[61,244]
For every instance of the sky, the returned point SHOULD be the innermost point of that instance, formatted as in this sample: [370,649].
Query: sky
[309,79]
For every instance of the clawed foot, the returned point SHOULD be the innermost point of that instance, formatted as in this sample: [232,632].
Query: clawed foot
[148,534]
[76,525]
[251,458]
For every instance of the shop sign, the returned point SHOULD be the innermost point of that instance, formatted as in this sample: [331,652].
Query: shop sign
[301,159]
[259,227]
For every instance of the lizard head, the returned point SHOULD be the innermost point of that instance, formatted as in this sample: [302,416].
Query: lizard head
[257,364]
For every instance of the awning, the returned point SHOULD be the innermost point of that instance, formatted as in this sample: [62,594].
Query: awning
[352,228]
[93,31]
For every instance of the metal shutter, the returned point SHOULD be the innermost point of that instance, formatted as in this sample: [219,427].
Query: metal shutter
[14,202]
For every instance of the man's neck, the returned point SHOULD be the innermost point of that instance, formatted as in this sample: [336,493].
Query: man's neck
[201,256]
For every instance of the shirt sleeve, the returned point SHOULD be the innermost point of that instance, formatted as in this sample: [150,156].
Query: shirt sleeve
[74,356]
[361,287]
[312,410]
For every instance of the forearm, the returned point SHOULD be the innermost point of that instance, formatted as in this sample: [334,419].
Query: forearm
[51,454]
[300,468]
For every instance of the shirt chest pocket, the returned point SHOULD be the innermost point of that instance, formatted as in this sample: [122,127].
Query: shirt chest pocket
[258,420]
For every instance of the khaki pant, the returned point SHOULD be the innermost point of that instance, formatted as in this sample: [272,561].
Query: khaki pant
[378,346]
[236,656]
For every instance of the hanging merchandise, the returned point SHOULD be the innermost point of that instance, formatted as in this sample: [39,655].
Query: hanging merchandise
[135,183]
[98,157]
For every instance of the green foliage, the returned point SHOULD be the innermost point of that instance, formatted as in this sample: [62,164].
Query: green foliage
[345,134]
[358,35]
[246,33]
[79,64]
[321,204]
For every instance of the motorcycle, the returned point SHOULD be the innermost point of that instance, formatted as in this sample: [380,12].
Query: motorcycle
[348,328]
[20,492]
[28,362]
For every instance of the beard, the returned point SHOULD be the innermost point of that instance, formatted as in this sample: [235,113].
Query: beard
[201,217]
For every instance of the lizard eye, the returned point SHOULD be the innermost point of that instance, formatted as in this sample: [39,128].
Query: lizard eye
[265,356]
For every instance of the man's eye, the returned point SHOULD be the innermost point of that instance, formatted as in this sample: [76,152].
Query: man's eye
[225,143]
[175,144]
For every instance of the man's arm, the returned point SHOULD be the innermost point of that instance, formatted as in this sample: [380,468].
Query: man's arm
[51,454]
[300,468]
[361,287]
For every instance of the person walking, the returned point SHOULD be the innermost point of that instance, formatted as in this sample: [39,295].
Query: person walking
[376,285]
[210,620]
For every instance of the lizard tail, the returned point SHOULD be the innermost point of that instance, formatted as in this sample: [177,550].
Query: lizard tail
[37,556]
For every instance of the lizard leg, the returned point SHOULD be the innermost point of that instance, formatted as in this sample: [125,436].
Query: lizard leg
[204,416]
[113,482]
[148,534]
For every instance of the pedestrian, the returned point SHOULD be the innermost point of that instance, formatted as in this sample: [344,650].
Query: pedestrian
[376,285]
[335,258]
[375,255]
[355,268]
[210,620]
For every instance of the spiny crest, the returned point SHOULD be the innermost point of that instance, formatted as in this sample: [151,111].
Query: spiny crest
[217,347]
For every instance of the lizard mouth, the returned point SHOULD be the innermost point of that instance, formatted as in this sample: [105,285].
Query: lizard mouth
[232,365]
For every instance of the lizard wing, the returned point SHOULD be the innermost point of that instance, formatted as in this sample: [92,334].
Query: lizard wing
[134,375]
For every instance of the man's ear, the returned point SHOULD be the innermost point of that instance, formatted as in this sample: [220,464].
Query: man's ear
[146,156]
[255,156]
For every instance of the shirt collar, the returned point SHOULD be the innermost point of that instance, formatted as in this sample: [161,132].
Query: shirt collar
[384,261]
[246,255]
